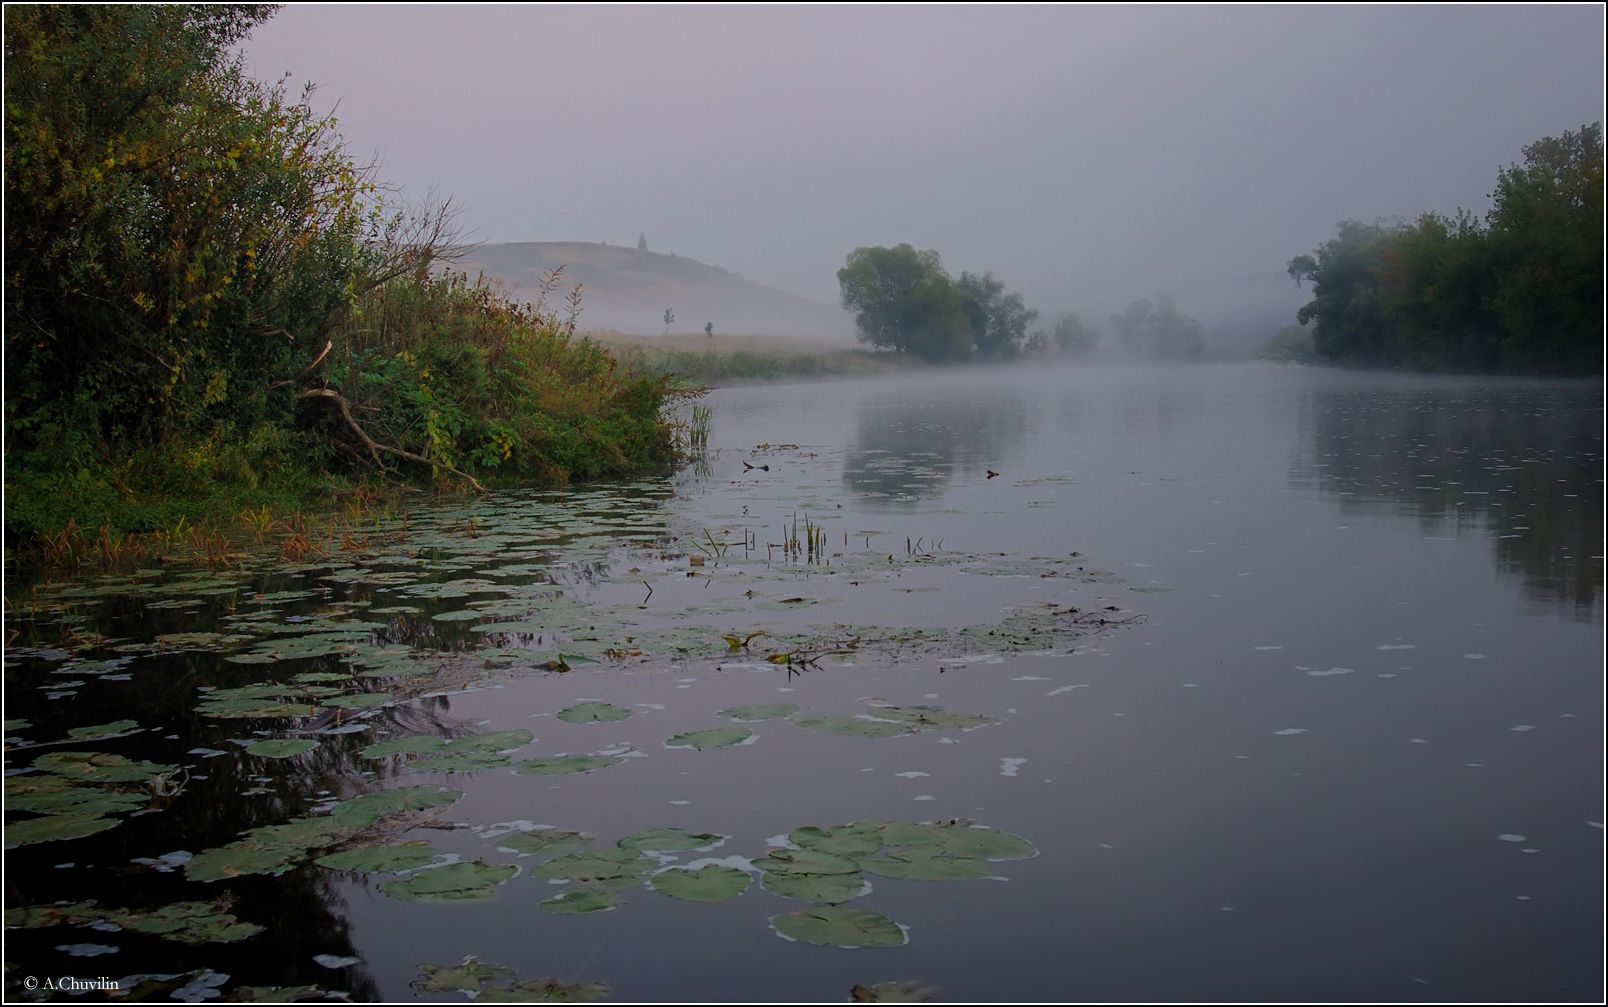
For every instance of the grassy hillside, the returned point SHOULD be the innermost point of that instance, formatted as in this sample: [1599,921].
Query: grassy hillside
[627,290]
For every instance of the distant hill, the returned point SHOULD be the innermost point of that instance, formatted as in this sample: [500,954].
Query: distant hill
[627,290]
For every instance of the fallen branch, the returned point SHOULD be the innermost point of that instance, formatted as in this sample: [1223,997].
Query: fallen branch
[375,447]
[330,345]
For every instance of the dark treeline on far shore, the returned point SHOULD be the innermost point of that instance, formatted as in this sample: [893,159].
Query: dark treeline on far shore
[1519,292]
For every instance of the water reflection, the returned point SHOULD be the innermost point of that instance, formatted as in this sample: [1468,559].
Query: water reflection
[1522,464]
[906,449]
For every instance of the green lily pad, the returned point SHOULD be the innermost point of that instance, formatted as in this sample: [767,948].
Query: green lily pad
[113,729]
[924,864]
[930,718]
[720,737]
[670,840]
[614,865]
[845,840]
[805,862]
[366,809]
[835,926]
[36,917]
[816,889]
[53,828]
[710,883]
[579,901]
[751,714]
[240,858]
[588,713]
[281,748]
[67,799]
[852,727]
[186,922]
[317,677]
[472,881]
[379,859]
[359,701]
[99,767]
[559,764]
[17,725]
[540,841]
[470,974]
[983,843]
[543,990]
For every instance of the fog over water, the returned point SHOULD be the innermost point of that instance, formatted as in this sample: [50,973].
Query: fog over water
[1087,156]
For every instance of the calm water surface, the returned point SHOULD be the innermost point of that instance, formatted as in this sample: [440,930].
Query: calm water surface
[1341,740]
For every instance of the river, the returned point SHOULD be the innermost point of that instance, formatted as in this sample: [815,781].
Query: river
[1237,682]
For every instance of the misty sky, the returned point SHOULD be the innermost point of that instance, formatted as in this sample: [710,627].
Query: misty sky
[1084,155]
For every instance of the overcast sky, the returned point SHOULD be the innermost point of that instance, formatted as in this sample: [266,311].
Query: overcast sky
[1084,155]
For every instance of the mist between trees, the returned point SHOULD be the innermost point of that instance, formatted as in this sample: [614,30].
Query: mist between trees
[904,300]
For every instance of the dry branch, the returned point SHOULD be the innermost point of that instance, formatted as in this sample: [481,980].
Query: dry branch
[374,447]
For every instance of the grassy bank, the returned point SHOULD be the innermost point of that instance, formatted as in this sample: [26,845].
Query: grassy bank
[697,359]
[211,309]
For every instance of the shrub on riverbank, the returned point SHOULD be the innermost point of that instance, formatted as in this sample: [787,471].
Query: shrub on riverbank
[210,305]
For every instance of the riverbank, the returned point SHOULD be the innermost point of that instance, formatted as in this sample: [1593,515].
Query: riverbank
[694,358]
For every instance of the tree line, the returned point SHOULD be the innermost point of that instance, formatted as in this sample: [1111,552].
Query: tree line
[1520,291]
[904,300]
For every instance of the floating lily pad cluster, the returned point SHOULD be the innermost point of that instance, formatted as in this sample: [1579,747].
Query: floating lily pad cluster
[485,982]
[465,754]
[74,793]
[275,849]
[184,922]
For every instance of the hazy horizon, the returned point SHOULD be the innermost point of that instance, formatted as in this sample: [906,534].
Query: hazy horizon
[1086,156]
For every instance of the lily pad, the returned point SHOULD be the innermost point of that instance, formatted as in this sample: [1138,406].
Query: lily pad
[579,902]
[612,866]
[835,926]
[710,883]
[470,974]
[560,764]
[853,727]
[281,748]
[929,718]
[925,864]
[589,713]
[99,767]
[379,859]
[543,990]
[471,881]
[855,840]
[816,889]
[670,840]
[752,714]
[114,729]
[53,828]
[359,701]
[720,737]
[540,841]
[805,862]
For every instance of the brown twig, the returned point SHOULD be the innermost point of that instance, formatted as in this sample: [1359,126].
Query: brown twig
[375,447]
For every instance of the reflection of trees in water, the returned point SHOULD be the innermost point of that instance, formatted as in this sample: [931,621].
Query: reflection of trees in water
[1523,464]
[908,449]
[222,796]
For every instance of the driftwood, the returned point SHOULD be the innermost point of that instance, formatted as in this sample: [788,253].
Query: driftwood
[375,447]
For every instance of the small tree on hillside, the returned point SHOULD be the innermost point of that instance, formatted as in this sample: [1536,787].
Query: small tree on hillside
[669,319]
[642,243]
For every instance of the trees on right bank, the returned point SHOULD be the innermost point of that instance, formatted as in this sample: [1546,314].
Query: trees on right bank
[1519,292]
